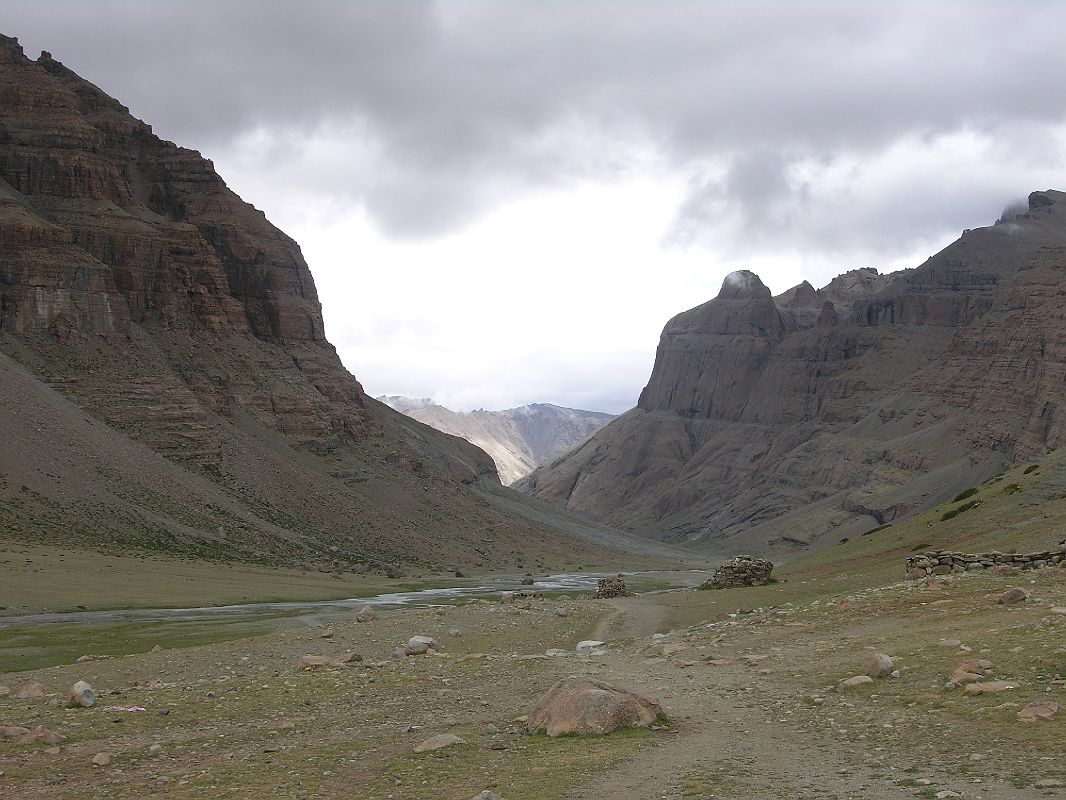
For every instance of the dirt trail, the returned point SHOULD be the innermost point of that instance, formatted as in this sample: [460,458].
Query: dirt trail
[633,618]
[724,744]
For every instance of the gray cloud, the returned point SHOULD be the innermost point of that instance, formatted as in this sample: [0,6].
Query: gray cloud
[463,103]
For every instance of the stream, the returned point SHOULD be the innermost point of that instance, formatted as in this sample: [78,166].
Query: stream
[32,641]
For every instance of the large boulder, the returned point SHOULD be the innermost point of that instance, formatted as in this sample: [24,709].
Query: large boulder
[589,706]
[81,695]
[366,614]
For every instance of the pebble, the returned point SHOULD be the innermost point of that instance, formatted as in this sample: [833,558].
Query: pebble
[102,760]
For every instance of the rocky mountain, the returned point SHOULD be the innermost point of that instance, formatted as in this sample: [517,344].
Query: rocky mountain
[517,439]
[167,385]
[779,423]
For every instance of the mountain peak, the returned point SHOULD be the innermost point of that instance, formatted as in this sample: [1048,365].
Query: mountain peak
[1042,199]
[742,283]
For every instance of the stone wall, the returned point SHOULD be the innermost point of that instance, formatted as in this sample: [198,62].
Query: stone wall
[740,571]
[943,562]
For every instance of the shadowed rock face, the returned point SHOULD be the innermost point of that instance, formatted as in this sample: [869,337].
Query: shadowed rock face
[137,290]
[828,412]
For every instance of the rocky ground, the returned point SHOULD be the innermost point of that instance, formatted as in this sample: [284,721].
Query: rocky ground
[748,680]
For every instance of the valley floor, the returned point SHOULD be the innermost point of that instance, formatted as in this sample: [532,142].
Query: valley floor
[746,694]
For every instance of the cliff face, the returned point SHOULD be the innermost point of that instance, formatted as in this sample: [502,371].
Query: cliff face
[138,291]
[517,439]
[823,413]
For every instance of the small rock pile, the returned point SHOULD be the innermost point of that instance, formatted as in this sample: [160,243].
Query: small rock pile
[943,562]
[740,571]
[610,587]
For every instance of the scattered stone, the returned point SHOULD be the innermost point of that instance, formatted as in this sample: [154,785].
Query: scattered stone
[607,588]
[852,682]
[42,734]
[308,663]
[1012,596]
[157,649]
[589,644]
[950,643]
[438,742]
[1054,610]
[81,695]
[486,795]
[960,678]
[12,731]
[564,612]
[1038,709]
[82,659]
[879,665]
[4,691]
[366,614]
[1049,783]
[740,571]
[555,652]
[102,760]
[990,687]
[30,690]
[328,634]
[421,645]
[589,706]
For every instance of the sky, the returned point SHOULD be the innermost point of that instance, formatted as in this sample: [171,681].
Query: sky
[503,202]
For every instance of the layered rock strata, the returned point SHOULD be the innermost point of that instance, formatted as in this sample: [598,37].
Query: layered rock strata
[166,381]
[837,410]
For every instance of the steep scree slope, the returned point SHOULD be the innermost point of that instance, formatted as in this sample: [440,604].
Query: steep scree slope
[167,383]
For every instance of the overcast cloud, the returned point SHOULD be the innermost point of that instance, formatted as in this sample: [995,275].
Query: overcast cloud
[503,202]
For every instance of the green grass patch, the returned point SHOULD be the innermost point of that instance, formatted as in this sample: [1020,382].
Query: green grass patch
[960,510]
[966,494]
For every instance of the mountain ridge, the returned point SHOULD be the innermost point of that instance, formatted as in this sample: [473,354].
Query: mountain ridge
[517,439]
[164,322]
[821,414]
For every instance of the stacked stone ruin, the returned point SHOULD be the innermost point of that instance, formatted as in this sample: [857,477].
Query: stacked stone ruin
[944,562]
[740,571]
[610,587]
